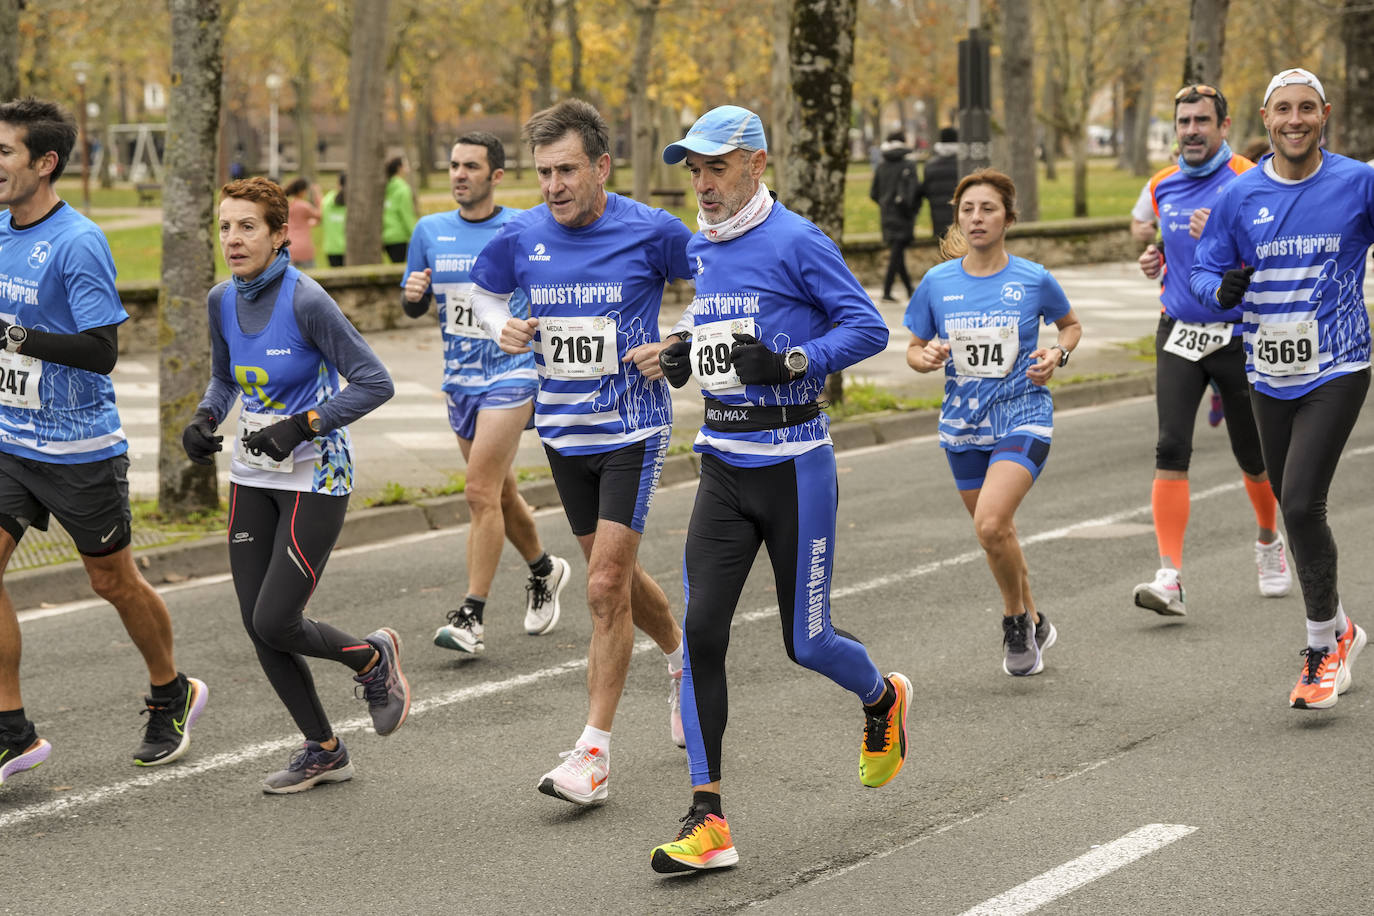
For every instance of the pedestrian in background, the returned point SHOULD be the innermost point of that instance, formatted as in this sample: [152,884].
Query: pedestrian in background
[940,179]
[334,215]
[398,211]
[303,215]
[897,192]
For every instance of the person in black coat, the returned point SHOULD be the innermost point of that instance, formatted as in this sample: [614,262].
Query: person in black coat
[941,178]
[897,191]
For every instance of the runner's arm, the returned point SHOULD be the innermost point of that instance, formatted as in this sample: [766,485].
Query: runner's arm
[95,349]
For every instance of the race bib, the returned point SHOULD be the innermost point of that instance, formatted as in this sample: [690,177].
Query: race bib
[459,320]
[1286,348]
[984,352]
[578,347]
[19,377]
[1194,341]
[711,345]
[250,423]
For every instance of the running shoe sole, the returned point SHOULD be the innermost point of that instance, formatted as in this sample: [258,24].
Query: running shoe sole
[197,705]
[445,639]
[1145,597]
[405,685]
[342,774]
[666,864]
[1358,644]
[557,608]
[25,761]
[552,789]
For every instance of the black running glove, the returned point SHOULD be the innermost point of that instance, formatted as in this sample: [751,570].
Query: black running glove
[1234,283]
[676,362]
[756,364]
[280,439]
[199,439]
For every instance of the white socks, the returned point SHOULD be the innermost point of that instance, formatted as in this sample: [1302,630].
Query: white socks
[675,658]
[595,737]
[1321,634]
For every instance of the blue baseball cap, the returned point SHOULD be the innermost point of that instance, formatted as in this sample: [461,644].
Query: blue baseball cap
[720,130]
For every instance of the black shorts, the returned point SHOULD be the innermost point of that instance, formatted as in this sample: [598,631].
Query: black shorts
[91,500]
[618,485]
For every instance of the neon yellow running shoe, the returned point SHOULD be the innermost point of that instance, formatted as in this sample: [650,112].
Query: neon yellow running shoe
[884,746]
[702,843]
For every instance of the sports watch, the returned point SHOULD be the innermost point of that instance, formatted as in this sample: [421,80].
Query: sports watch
[15,337]
[1063,354]
[312,419]
[796,362]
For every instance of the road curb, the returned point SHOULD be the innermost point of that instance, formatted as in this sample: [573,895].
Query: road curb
[209,556]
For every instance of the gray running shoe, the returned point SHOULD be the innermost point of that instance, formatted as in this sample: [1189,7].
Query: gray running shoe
[384,687]
[20,751]
[310,766]
[1045,634]
[541,606]
[463,632]
[1022,650]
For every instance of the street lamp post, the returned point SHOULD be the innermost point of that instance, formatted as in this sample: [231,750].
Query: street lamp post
[80,68]
[274,84]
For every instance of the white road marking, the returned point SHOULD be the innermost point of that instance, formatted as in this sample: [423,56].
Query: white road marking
[1067,878]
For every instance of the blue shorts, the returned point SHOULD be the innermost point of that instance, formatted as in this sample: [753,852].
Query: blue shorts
[971,466]
[463,408]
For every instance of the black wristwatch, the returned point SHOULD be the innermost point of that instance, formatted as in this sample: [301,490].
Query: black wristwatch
[1063,354]
[15,337]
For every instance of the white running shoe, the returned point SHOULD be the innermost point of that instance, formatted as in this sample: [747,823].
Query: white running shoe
[541,604]
[1164,595]
[463,632]
[580,778]
[675,710]
[1275,577]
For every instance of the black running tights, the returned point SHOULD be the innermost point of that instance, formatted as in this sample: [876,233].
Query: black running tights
[279,541]
[1302,441]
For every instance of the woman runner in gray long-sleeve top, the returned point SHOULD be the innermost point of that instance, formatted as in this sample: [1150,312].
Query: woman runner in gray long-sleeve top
[279,345]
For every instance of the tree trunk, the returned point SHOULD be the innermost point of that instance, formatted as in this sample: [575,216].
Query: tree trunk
[424,135]
[188,251]
[539,14]
[573,27]
[9,49]
[822,55]
[1018,105]
[1358,119]
[641,121]
[366,99]
[780,91]
[1206,42]
[302,84]
[1080,172]
[1053,93]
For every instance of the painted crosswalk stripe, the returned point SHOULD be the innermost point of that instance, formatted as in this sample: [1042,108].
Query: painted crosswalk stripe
[1069,877]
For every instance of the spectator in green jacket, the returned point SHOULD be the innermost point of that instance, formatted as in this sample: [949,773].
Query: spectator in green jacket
[333,214]
[398,211]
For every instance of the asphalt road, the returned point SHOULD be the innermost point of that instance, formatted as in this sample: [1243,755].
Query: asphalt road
[1036,794]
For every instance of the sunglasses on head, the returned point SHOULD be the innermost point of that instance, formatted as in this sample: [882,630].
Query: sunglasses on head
[1199,88]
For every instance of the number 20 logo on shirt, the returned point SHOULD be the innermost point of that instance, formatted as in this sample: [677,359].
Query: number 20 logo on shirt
[1013,294]
[38,255]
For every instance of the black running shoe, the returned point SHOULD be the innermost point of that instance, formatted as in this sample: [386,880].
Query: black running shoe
[168,734]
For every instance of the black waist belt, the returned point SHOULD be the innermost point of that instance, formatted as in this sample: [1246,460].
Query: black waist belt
[750,419]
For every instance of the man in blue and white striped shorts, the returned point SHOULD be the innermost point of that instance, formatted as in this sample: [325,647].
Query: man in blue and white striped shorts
[593,265]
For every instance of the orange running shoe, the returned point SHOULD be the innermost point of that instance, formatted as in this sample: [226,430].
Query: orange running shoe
[702,843]
[883,750]
[1319,682]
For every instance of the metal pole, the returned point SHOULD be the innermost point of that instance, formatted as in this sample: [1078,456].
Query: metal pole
[274,82]
[85,142]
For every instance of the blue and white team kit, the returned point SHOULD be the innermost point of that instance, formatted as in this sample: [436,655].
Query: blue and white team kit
[992,326]
[1304,312]
[596,291]
[57,275]
[478,374]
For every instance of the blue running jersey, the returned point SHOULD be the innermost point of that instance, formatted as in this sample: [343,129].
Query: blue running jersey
[790,279]
[614,268]
[1305,318]
[1175,197]
[280,372]
[58,275]
[448,245]
[979,412]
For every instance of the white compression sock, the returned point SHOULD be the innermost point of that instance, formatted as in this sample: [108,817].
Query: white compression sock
[595,737]
[675,658]
[1321,634]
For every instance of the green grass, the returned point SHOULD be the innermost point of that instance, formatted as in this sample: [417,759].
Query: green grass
[863,397]
[138,251]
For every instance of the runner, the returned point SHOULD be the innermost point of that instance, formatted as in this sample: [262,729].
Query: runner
[776,309]
[593,265]
[62,449]
[1286,242]
[1194,347]
[490,393]
[977,316]
[279,345]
